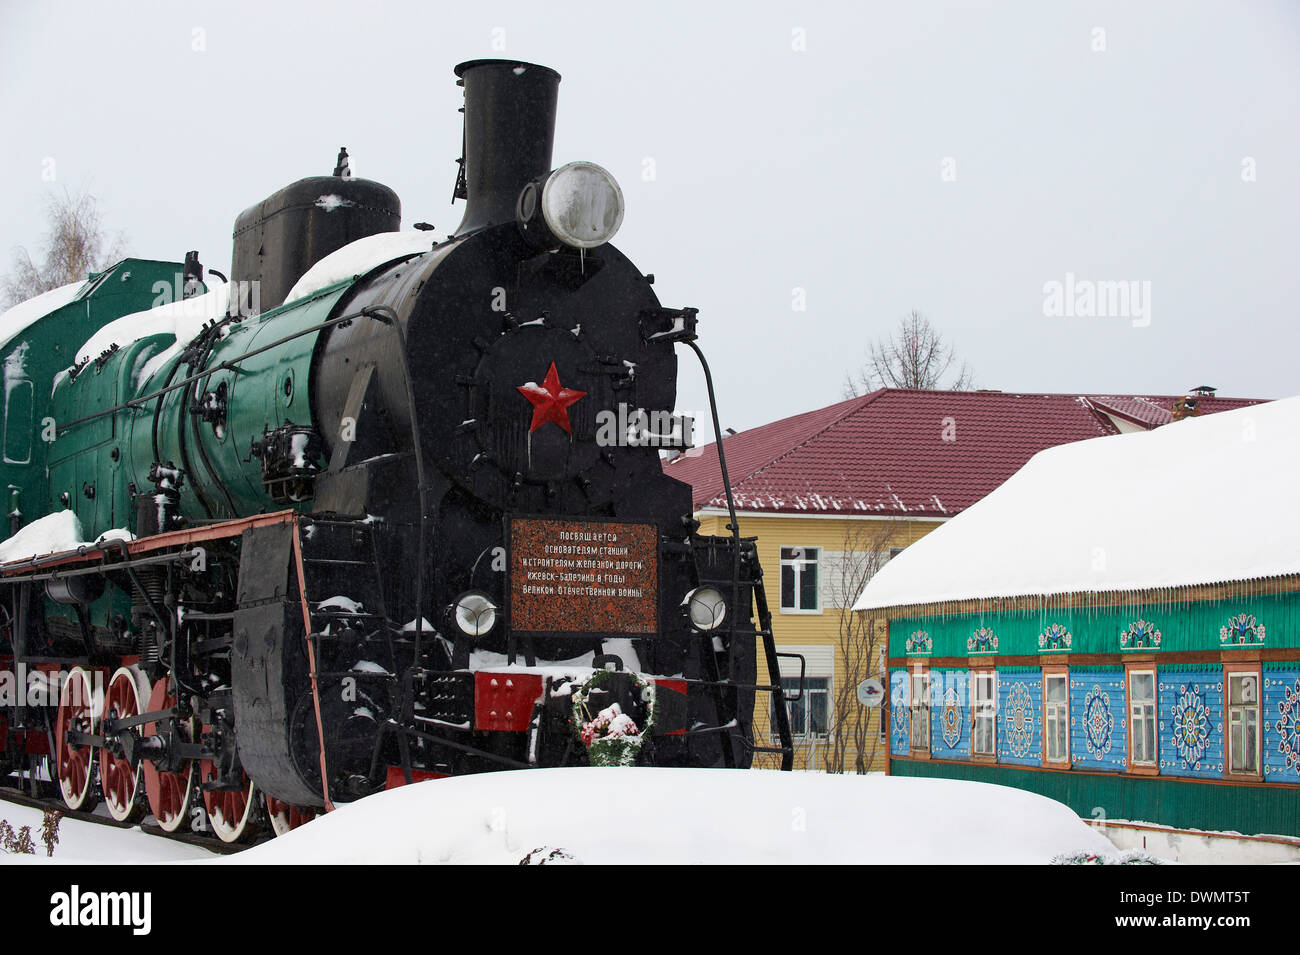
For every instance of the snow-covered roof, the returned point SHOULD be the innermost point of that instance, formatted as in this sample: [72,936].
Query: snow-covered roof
[902,452]
[15,321]
[1198,501]
[359,257]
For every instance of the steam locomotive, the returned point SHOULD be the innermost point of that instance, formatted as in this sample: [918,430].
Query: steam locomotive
[385,506]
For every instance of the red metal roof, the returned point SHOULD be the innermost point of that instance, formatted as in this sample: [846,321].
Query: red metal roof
[1144,412]
[907,453]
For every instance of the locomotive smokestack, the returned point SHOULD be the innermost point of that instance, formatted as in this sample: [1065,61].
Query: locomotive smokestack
[509,132]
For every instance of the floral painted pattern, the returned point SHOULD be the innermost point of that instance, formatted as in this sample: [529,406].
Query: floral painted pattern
[918,642]
[1288,727]
[1140,635]
[900,719]
[1055,637]
[983,640]
[1019,721]
[1242,630]
[1191,725]
[950,717]
[1098,722]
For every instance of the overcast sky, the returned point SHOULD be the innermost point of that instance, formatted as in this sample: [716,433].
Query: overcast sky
[877,157]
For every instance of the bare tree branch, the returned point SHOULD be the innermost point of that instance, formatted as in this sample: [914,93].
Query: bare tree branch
[854,743]
[916,356]
[75,244]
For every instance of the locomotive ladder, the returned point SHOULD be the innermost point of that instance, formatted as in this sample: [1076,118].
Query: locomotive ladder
[720,676]
[685,333]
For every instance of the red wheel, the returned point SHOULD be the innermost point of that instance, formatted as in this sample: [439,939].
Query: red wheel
[120,779]
[230,812]
[284,817]
[170,793]
[78,713]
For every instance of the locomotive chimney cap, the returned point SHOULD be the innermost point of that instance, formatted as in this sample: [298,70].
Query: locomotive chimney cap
[518,65]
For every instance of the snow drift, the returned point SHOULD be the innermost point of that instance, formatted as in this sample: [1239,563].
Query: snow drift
[698,816]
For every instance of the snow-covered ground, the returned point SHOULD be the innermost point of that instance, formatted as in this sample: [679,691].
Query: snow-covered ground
[621,816]
[85,842]
[642,816]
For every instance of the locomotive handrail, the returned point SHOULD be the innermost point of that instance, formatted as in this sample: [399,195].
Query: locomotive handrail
[100,567]
[765,621]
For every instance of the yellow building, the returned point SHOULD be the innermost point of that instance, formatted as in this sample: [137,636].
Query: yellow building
[834,493]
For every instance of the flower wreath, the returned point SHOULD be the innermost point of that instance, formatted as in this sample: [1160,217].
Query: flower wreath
[611,737]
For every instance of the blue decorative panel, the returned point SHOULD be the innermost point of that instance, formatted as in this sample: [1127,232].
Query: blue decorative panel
[1098,733]
[1190,704]
[950,714]
[899,715]
[1020,716]
[1281,718]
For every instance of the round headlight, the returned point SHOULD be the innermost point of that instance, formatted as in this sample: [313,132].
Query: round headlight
[476,614]
[706,608]
[582,205]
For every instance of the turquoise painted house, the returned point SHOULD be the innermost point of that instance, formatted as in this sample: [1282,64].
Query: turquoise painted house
[1116,627]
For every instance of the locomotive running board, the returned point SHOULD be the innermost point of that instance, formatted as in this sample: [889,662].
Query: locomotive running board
[190,536]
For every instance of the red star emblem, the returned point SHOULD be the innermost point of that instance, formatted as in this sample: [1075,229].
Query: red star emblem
[550,401]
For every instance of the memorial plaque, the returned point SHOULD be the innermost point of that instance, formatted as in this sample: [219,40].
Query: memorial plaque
[583,577]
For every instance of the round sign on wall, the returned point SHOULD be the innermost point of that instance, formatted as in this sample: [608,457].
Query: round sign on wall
[870,692]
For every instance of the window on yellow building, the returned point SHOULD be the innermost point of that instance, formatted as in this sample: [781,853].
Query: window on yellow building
[799,579]
[810,714]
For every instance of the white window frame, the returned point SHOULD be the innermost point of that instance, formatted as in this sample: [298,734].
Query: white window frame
[918,703]
[1233,709]
[984,709]
[804,735]
[799,564]
[1134,717]
[819,664]
[1056,714]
